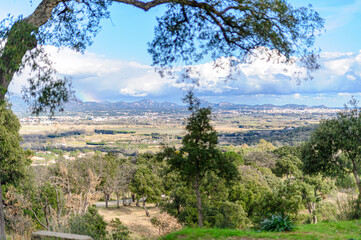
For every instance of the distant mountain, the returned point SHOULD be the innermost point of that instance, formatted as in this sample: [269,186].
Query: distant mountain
[20,107]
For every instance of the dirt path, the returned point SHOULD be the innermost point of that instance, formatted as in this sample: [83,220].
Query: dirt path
[134,218]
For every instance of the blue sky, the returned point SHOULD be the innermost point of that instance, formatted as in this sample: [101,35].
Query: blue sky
[117,66]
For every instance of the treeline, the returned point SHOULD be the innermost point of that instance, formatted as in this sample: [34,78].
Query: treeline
[292,136]
[112,132]
[66,134]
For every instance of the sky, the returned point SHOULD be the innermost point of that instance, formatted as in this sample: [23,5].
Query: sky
[117,66]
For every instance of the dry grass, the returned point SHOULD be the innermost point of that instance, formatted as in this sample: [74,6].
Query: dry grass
[135,219]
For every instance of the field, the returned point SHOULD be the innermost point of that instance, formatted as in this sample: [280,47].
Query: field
[130,134]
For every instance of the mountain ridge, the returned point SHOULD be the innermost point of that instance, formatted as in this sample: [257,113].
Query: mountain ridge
[19,106]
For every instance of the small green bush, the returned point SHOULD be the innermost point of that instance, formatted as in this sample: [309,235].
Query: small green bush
[119,231]
[277,223]
[231,215]
[91,224]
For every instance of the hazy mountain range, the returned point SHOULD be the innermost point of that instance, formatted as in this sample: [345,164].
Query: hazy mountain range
[19,106]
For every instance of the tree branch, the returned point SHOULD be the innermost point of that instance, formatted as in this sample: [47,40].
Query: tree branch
[144,5]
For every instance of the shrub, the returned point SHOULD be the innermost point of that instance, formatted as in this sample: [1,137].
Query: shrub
[349,209]
[165,223]
[91,224]
[277,223]
[230,215]
[326,211]
[119,231]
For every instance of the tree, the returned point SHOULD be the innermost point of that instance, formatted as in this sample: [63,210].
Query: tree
[288,162]
[199,154]
[12,158]
[108,176]
[334,148]
[124,174]
[146,185]
[188,31]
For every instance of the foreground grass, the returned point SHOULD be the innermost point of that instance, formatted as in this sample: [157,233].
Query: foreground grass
[324,230]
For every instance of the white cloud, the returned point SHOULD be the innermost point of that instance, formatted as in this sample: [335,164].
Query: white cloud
[96,77]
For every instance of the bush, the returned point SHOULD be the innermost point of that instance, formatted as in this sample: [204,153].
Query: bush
[326,211]
[346,182]
[165,223]
[119,231]
[277,223]
[230,215]
[91,224]
[349,209]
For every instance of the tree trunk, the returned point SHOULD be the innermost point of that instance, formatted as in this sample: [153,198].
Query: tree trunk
[2,219]
[118,197]
[199,201]
[314,216]
[106,200]
[357,179]
[145,208]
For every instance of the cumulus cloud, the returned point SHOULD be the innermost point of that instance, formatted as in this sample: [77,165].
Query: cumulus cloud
[97,78]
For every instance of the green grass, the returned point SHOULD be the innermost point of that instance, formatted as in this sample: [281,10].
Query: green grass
[325,230]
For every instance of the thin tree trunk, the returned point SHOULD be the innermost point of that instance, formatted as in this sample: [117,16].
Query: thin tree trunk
[125,200]
[106,200]
[199,201]
[358,184]
[2,219]
[118,204]
[357,179]
[145,208]
[137,203]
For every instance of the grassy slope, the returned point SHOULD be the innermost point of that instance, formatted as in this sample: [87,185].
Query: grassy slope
[331,230]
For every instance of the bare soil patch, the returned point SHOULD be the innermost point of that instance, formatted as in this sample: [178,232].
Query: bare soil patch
[134,218]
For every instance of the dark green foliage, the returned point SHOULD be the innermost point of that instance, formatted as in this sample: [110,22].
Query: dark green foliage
[65,134]
[285,137]
[146,184]
[199,155]
[119,230]
[96,143]
[190,30]
[235,157]
[276,223]
[12,158]
[346,182]
[334,148]
[91,224]
[288,165]
[227,215]
[112,132]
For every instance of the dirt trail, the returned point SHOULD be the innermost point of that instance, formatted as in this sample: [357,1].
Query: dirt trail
[134,218]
